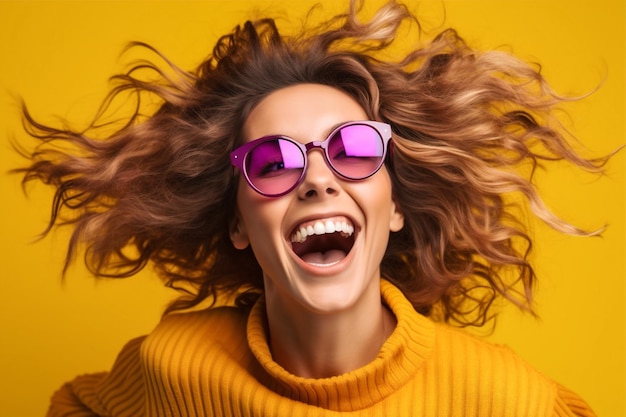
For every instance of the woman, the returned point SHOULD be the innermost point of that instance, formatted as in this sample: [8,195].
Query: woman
[349,205]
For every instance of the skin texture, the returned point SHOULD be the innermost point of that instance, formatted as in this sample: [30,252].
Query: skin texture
[323,320]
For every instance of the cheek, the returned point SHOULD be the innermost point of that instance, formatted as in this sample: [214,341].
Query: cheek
[379,192]
[246,206]
[379,197]
[259,216]
[242,226]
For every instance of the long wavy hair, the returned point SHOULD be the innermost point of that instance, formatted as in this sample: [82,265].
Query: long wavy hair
[469,130]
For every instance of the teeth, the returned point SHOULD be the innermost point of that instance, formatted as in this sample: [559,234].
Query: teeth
[320,228]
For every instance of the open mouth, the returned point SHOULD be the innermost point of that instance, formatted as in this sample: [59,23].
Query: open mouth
[323,242]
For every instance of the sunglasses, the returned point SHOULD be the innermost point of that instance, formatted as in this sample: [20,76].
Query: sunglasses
[275,165]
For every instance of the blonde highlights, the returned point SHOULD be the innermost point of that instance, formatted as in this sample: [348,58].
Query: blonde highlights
[469,129]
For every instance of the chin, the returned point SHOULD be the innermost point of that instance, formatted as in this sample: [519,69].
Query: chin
[332,297]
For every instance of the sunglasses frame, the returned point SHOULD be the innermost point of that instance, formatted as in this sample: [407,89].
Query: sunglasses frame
[239,156]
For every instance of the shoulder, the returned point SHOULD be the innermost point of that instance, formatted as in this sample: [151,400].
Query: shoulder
[449,337]
[463,348]
[222,326]
[191,346]
[119,392]
[189,355]
[218,318]
[491,376]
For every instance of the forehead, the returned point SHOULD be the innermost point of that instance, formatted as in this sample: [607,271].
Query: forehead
[305,112]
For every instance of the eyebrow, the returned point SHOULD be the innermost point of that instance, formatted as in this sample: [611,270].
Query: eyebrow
[326,133]
[332,129]
[336,126]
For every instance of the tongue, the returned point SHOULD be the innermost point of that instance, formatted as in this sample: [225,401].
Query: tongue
[324,258]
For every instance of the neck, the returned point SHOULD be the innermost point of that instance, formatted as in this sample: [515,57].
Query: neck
[320,345]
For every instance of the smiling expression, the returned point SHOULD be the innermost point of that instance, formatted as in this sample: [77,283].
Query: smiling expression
[319,246]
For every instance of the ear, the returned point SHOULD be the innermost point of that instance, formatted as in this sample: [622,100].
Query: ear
[396,220]
[239,233]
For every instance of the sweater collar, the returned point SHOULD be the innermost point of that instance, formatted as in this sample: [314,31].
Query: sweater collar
[397,362]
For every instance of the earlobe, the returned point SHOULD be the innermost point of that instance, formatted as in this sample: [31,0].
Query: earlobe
[396,221]
[239,234]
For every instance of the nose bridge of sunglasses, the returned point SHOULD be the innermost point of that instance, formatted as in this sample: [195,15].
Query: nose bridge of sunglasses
[314,145]
[321,154]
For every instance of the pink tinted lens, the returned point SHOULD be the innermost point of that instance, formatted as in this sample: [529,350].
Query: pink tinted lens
[356,151]
[274,166]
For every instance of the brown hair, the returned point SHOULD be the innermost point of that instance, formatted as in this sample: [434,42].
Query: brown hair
[469,129]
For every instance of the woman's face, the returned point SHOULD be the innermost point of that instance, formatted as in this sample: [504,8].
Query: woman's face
[333,270]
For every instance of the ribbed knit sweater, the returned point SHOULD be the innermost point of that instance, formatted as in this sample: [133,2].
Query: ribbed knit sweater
[217,362]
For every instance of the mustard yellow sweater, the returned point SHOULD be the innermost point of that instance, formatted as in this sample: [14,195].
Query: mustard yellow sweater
[217,363]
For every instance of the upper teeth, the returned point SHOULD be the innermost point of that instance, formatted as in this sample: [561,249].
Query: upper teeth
[320,228]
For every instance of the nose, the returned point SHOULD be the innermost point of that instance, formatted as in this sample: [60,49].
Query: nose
[319,180]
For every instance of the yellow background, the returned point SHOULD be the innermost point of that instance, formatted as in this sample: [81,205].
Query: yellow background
[58,56]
